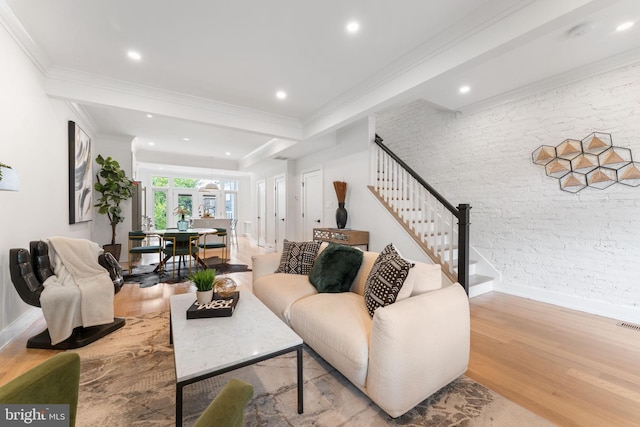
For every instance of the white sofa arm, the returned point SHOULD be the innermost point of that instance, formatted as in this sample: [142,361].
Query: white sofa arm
[265,264]
[418,345]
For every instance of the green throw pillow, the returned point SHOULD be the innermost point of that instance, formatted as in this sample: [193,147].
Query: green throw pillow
[335,268]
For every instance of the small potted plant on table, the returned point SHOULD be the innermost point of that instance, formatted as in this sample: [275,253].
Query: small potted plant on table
[204,280]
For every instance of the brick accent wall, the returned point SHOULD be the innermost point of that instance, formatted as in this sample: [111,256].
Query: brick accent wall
[584,245]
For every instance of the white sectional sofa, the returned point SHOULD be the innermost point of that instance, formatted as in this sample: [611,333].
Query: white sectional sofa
[406,352]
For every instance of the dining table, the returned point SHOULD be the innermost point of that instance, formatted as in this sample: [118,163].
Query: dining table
[201,232]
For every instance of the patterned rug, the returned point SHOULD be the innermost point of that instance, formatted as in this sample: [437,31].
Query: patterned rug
[128,379]
[146,277]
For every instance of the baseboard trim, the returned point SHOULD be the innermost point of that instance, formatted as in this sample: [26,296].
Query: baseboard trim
[20,325]
[600,308]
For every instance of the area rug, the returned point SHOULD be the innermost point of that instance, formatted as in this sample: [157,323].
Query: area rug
[145,276]
[128,379]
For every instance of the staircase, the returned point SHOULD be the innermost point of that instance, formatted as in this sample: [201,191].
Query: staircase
[440,229]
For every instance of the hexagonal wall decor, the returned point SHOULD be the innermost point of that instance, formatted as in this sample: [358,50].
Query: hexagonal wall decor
[557,168]
[596,143]
[544,154]
[569,149]
[573,182]
[629,174]
[614,157]
[601,178]
[591,162]
[584,163]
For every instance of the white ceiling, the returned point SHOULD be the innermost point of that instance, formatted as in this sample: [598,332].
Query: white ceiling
[210,68]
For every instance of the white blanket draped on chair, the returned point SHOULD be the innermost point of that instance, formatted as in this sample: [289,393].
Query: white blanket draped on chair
[81,291]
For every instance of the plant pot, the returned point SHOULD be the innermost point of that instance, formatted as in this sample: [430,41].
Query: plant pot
[204,297]
[114,250]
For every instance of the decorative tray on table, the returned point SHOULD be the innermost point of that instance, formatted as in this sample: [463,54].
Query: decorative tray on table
[218,307]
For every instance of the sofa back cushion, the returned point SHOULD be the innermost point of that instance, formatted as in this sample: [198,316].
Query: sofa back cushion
[360,282]
[423,278]
[335,268]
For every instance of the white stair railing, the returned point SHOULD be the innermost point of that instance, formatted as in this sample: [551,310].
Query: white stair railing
[440,228]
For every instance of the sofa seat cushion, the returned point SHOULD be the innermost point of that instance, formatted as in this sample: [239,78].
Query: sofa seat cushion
[279,291]
[337,327]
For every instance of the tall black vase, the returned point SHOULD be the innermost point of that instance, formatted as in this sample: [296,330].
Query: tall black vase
[341,216]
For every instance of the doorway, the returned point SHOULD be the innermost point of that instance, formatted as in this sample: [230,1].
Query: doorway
[311,202]
[280,197]
[262,212]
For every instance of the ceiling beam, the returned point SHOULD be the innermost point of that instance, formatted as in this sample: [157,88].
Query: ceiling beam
[85,88]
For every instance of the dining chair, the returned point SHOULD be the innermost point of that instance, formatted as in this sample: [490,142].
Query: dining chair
[182,243]
[217,244]
[233,235]
[139,237]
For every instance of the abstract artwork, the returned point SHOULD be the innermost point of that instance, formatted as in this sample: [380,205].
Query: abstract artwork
[80,175]
[592,162]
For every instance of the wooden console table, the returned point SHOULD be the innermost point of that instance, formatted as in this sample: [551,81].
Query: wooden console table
[343,236]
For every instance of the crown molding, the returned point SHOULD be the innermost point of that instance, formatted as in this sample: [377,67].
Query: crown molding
[23,39]
[625,59]
[78,86]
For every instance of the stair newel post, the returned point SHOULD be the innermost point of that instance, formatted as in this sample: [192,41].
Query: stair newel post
[463,246]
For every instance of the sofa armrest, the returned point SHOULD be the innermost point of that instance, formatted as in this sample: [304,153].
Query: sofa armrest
[265,264]
[417,346]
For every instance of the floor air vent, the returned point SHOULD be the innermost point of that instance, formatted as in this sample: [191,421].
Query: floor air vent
[629,326]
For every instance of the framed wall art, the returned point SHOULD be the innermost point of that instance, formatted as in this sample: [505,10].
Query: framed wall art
[80,175]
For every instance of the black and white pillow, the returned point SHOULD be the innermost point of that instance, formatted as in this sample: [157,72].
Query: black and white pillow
[298,257]
[385,279]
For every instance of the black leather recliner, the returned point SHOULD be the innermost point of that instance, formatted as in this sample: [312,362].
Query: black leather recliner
[29,270]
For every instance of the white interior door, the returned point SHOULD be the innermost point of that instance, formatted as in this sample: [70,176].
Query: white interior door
[312,203]
[262,212]
[280,228]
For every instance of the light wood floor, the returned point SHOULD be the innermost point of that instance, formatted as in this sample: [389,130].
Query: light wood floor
[571,368]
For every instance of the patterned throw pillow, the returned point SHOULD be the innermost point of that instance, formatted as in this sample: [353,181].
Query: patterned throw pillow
[386,278]
[298,257]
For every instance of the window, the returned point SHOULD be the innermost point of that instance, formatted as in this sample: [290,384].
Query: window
[186,182]
[159,181]
[160,209]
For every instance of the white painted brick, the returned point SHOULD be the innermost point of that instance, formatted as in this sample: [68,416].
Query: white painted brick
[585,244]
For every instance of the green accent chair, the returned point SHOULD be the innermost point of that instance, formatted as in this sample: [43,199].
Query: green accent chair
[227,409]
[222,244]
[139,237]
[181,244]
[55,381]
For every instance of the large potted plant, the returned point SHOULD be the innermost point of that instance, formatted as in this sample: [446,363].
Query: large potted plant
[114,188]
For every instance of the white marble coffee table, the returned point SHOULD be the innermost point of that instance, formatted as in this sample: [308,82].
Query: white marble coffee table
[204,348]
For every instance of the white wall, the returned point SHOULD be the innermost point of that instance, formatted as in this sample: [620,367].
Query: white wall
[349,161]
[577,250]
[33,140]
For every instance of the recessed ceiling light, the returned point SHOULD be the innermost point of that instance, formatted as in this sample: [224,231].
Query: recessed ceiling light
[625,26]
[464,89]
[150,115]
[353,27]
[133,55]
[152,143]
[185,139]
[281,94]
[227,153]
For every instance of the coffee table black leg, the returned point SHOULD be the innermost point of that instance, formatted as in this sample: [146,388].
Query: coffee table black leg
[178,405]
[300,382]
